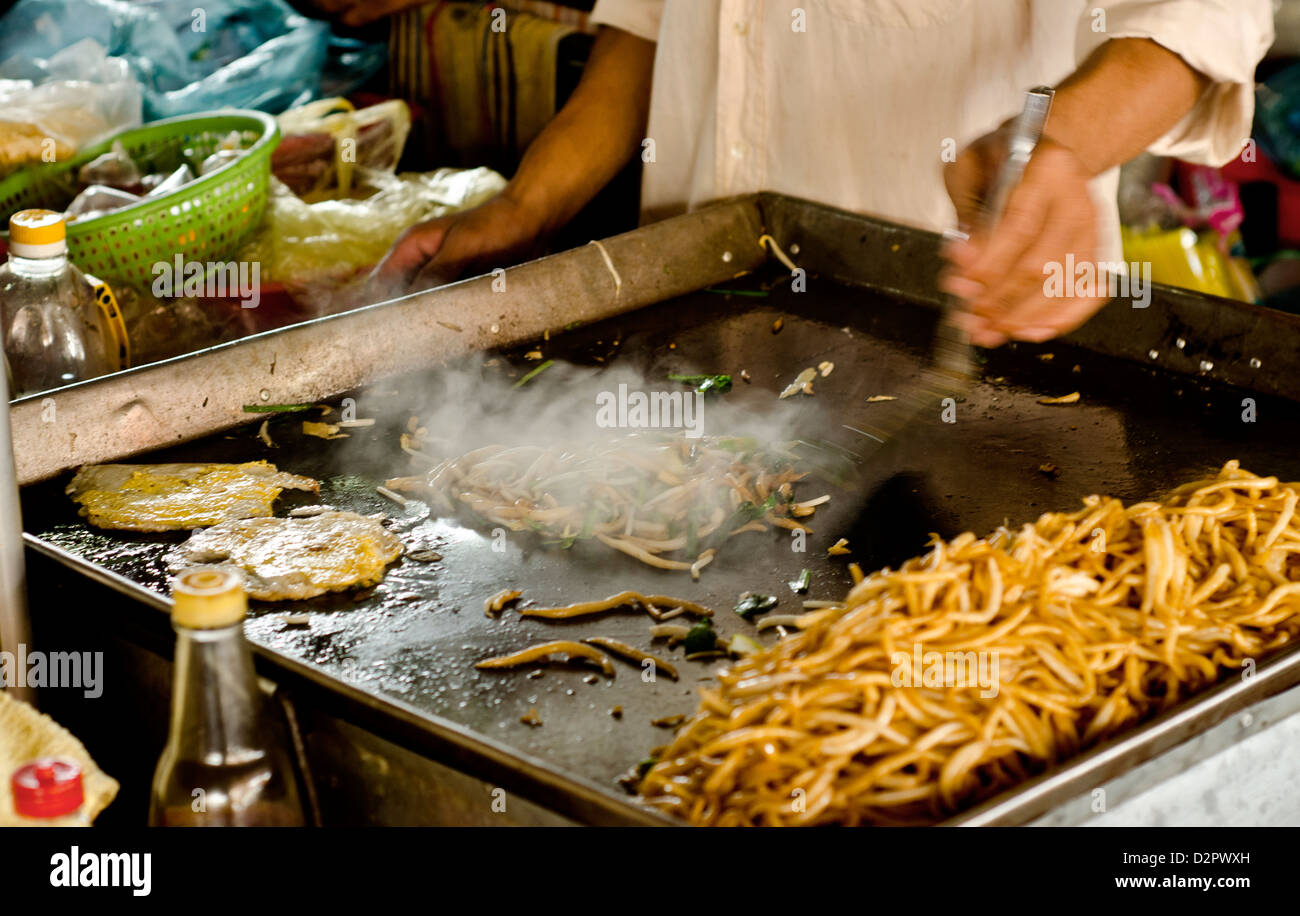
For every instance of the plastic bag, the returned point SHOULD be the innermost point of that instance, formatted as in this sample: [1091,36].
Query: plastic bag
[114,168]
[97,200]
[324,142]
[158,184]
[227,151]
[187,58]
[1277,118]
[1182,257]
[327,242]
[51,107]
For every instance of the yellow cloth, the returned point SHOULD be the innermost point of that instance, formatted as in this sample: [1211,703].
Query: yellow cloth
[487,75]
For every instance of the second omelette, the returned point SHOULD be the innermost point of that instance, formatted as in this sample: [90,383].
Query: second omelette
[289,559]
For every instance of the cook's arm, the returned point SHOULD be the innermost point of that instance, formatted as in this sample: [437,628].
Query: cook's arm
[592,137]
[1127,95]
[1174,77]
[597,132]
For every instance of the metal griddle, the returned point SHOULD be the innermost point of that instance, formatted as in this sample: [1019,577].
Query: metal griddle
[404,651]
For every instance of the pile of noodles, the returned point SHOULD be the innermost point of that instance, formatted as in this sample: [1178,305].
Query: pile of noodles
[1096,618]
[667,501]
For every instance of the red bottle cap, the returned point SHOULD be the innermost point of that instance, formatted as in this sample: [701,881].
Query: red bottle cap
[48,787]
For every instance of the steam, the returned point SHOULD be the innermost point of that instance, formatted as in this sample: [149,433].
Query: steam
[571,406]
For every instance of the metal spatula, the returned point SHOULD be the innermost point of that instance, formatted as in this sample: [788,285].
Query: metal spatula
[952,365]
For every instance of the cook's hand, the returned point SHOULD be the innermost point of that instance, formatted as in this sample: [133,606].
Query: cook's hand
[362,12]
[497,233]
[1001,277]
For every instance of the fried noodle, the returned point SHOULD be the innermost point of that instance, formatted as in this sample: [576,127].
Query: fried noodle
[1097,619]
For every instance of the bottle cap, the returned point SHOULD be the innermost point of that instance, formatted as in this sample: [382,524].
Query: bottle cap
[38,234]
[47,787]
[207,598]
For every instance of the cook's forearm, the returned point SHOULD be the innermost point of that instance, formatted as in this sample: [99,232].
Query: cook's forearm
[592,137]
[1125,96]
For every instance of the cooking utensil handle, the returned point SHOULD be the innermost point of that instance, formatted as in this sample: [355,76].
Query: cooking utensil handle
[1026,131]
[952,354]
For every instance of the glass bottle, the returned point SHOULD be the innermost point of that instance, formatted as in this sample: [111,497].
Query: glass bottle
[222,765]
[54,331]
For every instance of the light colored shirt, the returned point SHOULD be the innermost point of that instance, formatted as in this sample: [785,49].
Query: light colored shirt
[854,103]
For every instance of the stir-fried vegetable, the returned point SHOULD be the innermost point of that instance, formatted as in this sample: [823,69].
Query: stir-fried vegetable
[700,638]
[742,645]
[752,605]
[665,500]
[719,384]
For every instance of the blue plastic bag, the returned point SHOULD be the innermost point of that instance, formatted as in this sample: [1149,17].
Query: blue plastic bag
[188,58]
[1277,118]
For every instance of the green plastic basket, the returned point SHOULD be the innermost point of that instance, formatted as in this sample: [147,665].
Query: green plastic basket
[206,220]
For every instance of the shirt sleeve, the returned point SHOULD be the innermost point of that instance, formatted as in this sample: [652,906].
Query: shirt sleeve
[639,17]
[1221,39]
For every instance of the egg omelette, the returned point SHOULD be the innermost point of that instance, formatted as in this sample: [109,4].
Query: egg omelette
[289,559]
[169,497]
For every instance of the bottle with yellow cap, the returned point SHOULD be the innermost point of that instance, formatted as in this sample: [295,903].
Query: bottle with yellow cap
[222,766]
[55,332]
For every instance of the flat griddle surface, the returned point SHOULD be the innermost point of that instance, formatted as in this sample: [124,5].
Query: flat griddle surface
[414,638]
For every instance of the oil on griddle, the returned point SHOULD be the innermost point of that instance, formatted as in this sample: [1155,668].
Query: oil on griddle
[1134,432]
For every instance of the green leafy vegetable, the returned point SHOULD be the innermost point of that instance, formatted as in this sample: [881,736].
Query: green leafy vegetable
[700,638]
[704,383]
[752,605]
[745,512]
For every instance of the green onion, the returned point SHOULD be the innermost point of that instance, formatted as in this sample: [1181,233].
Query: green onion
[800,586]
[589,522]
[276,408]
[738,444]
[756,293]
[536,371]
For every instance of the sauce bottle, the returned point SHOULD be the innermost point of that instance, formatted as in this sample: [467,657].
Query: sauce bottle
[222,765]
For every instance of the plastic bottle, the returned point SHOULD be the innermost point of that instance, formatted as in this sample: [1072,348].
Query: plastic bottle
[54,331]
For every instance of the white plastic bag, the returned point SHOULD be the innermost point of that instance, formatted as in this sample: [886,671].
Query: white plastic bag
[60,104]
